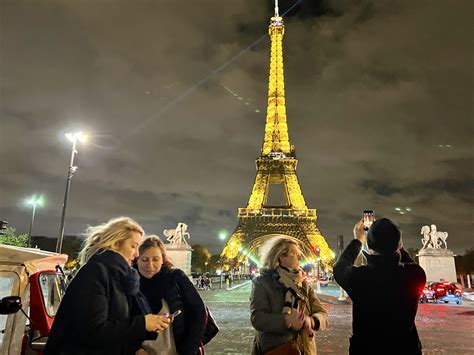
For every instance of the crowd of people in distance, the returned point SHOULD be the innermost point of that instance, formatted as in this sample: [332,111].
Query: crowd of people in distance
[204,282]
[128,299]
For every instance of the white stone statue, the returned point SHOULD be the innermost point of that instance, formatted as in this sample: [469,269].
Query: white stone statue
[178,235]
[433,238]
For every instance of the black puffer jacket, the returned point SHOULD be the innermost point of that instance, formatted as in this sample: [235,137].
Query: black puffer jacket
[385,296]
[94,316]
[176,289]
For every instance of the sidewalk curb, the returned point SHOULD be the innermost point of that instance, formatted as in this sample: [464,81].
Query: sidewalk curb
[332,299]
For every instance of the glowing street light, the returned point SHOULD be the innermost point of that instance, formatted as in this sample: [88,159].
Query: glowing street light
[73,137]
[33,201]
[402,211]
[222,235]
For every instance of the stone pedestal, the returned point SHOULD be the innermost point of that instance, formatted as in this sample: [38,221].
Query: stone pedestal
[180,256]
[438,264]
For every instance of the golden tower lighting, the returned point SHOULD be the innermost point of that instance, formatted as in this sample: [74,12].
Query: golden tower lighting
[276,168]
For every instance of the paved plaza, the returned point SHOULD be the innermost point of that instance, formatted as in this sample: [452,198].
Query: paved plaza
[443,328]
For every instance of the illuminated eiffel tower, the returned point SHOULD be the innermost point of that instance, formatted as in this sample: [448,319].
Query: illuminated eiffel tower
[276,170]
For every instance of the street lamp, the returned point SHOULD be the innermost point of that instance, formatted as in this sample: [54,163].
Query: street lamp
[73,137]
[222,235]
[33,201]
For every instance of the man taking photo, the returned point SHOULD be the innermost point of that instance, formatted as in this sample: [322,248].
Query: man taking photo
[384,293]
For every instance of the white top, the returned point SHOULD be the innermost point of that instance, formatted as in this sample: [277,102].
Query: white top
[164,344]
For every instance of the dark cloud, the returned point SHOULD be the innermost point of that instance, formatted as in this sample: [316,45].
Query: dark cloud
[379,104]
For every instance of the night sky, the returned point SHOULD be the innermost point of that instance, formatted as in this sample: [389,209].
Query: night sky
[379,101]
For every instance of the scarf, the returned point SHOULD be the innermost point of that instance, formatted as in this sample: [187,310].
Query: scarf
[292,280]
[127,277]
[296,294]
[155,288]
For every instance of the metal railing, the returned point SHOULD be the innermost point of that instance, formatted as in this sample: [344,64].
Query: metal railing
[276,212]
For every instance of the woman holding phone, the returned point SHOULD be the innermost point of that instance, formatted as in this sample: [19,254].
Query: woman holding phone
[169,291]
[96,315]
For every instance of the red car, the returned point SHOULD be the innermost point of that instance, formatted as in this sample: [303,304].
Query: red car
[323,281]
[427,294]
[438,292]
[442,289]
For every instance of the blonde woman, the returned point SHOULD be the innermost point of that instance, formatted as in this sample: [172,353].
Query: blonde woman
[283,306]
[96,314]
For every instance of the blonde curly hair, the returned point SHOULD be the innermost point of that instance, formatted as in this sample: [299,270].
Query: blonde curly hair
[104,236]
[275,247]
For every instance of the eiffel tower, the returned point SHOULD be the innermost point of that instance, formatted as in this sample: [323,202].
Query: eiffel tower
[276,170]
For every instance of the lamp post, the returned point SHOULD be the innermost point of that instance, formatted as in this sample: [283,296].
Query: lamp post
[73,137]
[222,235]
[318,267]
[33,201]
[340,249]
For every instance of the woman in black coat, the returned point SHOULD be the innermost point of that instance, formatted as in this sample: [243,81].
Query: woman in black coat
[167,291]
[95,314]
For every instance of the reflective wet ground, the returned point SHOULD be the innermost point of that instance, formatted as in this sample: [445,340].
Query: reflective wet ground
[447,329]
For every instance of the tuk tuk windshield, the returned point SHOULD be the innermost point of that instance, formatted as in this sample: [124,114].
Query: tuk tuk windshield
[52,287]
[7,282]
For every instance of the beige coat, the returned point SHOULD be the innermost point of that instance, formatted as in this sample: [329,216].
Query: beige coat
[266,304]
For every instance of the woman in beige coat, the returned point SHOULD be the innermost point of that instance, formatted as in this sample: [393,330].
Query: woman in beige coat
[283,306]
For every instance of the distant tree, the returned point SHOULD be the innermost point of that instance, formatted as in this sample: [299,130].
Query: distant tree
[200,258]
[71,244]
[465,263]
[459,262]
[468,260]
[10,238]
[214,263]
[330,264]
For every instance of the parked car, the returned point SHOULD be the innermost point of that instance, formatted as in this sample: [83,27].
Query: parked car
[427,295]
[323,281]
[447,292]
[31,287]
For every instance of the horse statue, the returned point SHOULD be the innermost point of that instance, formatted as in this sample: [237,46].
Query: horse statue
[439,237]
[177,235]
[433,238]
[426,240]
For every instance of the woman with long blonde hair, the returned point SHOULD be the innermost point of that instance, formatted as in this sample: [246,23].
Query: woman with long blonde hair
[96,315]
[283,307]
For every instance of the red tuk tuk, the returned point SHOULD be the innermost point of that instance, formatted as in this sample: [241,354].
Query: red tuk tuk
[31,287]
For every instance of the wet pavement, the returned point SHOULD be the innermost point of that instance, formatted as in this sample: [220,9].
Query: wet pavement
[447,329]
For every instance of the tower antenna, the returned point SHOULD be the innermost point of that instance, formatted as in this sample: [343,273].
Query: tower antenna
[276,9]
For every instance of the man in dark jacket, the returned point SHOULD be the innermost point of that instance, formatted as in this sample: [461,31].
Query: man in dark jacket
[385,292]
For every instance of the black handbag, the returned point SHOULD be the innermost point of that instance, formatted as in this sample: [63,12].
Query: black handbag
[211,329]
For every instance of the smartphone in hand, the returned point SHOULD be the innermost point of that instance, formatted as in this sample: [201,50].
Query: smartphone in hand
[175,314]
[368,218]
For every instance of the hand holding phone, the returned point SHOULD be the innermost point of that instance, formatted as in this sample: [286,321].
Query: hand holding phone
[368,218]
[175,314]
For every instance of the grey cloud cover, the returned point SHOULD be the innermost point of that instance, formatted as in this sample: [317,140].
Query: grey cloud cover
[373,88]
